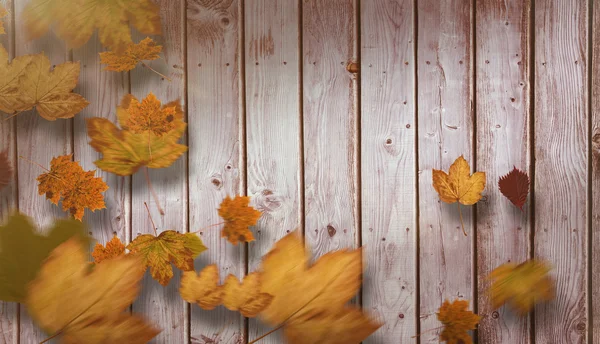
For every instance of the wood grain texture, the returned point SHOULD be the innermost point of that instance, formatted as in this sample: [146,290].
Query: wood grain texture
[9,316]
[272,126]
[388,168]
[162,305]
[561,163]
[216,148]
[330,125]
[595,177]
[38,140]
[445,132]
[503,115]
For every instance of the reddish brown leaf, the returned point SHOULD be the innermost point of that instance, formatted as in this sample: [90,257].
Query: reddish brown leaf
[515,186]
[5,170]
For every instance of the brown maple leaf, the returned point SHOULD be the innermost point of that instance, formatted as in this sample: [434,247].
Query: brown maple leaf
[515,187]
[457,320]
[79,189]
[6,170]
[147,50]
[238,217]
[114,248]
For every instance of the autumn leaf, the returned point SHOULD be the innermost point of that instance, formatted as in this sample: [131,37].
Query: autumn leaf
[515,187]
[114,248]
[307,299]
[22,251]
[158,252]
[459,185]
[238,217]
[146,50]
[457,321]
[85,305]
[6,170]
[245,297]
[79,189]
[12,95]
[3,13]
[75,21]
[521,286]
[125,150]
[202,289]
[149,116]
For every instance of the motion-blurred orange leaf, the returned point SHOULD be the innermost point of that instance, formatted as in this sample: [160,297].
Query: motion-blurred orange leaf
[146,50]
[78,189]
[515,187]
[457,321]
[203,288]
[245,297]
[6,170]
[114,248]
[85,305]
[238,217]
[3,13]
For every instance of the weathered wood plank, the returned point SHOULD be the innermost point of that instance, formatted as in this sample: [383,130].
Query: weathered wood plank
[216,147]
[561,162]
[330,125]
[445,133]
[38,140]
[162,305]
[272,125]
[595,177]
[9,316]
[388,167]
[502,109]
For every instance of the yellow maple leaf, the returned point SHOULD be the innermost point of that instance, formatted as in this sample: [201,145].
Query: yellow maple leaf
[202,289]
[459,185]
[457,320]
[85,305]
[158,252]
[12,97]
[147,50]
[78,189]
[125,151]
[307,299]
[76,20]
[238,217]
[522,286]
[3,13]
[245,297]
[114,248]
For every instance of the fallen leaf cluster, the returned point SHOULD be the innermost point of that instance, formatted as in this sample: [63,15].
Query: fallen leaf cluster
[238,217]
[146,50]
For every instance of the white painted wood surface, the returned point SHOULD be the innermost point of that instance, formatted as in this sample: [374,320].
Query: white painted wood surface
[503,142]
[445,121]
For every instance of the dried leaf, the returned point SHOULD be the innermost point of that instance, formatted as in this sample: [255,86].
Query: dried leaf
[12,96]
[22,251]
[146,50]
[202,289]
[3,13]
[148,116]
[238,217]
[457,321]
[307,299]
[76,20]
[6,170]
[515,187]
[79,189]
[114,248]
[125,151]
[245,297]
[522,286]
[168,247]
[88,305]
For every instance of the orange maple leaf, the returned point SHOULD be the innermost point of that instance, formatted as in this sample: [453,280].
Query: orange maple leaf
[79,189]
[114,248]
[457,320]
[238,217]
[149,115]
[147,50]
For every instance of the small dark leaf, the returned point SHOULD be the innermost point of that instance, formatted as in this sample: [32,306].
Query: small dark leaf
[515,186]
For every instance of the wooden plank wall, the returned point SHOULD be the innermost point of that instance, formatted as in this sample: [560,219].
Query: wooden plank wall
[331,116]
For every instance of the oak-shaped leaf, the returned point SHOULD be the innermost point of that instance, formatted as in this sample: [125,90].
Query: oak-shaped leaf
[158,252]
[521,286]
[307,300]
[113,249]
[139,142]
[457,321]
[75,21]
[23,249]
[83,305]
[458,185]
[78,189]
[515,187]
[238,217]
[6,170]
[146,50]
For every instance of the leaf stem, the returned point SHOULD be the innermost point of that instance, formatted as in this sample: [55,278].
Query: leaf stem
[33,162]
[461,219]
[155,71]
[160,210]
[430,330]
[268,333]
[13,115]
[209,226]
[150,216]
[51,337]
